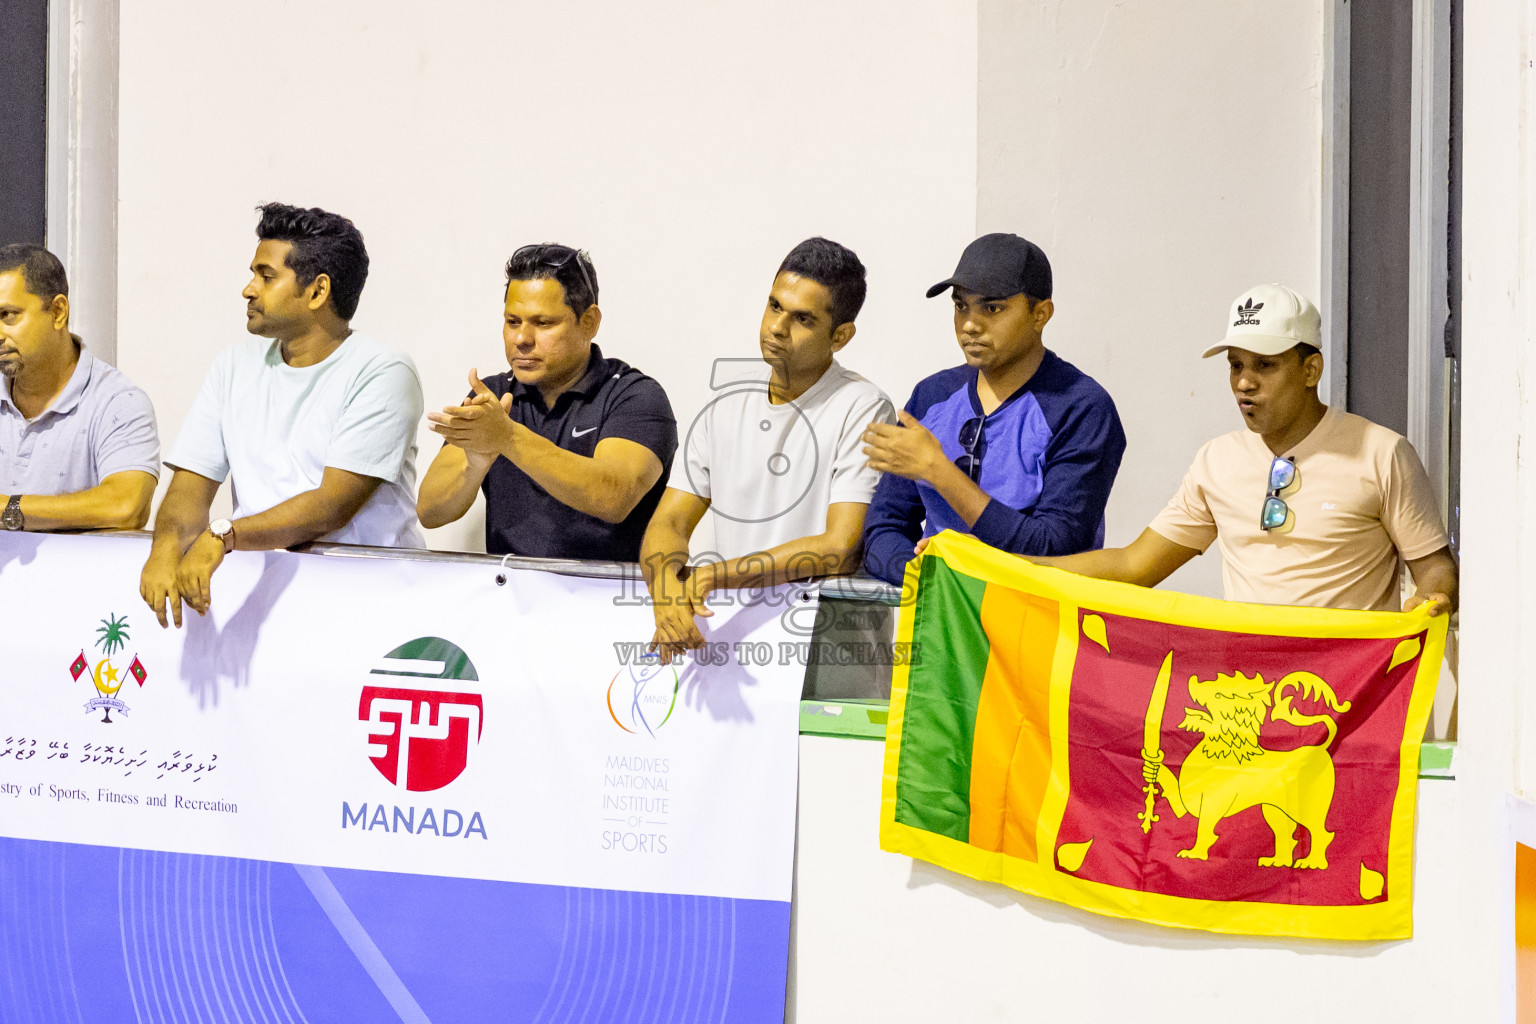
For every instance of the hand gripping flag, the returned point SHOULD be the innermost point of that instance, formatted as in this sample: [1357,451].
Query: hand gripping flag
[1151,755]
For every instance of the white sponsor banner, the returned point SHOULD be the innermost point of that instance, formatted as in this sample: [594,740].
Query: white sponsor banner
[410,716]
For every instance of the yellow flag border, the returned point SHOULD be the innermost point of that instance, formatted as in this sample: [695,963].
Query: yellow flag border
[1388,920]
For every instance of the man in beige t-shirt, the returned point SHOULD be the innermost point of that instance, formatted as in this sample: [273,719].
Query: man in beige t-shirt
[1309,505]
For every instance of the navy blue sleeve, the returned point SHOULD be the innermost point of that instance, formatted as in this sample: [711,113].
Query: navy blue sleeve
[893,524]
[1081,461]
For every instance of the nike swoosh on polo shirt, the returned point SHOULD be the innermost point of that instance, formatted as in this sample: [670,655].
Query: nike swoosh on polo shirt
[581,433]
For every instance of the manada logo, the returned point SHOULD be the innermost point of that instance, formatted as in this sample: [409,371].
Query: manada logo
[421,738]
[644,695]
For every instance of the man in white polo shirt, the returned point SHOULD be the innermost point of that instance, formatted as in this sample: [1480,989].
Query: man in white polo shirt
[777,461]
[78,445]
[1310,505]
[316,429]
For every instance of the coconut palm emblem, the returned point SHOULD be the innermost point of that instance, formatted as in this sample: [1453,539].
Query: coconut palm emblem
[111,636]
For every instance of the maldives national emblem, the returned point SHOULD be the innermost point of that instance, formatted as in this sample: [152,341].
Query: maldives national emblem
[112,634]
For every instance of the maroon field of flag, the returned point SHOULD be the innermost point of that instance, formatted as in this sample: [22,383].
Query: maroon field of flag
[138,670]
[79,666]
[1231,730]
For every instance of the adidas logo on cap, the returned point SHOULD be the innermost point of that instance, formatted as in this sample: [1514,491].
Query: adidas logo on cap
[1247,314]
[1288,319]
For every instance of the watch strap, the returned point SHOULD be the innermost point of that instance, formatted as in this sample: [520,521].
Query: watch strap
[13,515]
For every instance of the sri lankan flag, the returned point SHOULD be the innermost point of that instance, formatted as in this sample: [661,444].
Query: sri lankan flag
[1152,755]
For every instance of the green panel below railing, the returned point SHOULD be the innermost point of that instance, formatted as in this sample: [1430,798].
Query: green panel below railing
[860,720]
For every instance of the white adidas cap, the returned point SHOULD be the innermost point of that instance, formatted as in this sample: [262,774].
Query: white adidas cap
[1270,319]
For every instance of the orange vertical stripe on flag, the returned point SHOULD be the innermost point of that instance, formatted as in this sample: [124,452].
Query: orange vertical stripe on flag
[1011,757]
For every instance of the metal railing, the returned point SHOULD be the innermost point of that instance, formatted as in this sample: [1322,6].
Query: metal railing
[850,656]
[851,644]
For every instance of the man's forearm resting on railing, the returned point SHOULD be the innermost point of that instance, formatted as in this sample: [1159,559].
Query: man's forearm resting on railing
[184,554]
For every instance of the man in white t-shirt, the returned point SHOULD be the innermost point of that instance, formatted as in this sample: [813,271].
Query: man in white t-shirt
[1309,505]
[316,429]
[777,458]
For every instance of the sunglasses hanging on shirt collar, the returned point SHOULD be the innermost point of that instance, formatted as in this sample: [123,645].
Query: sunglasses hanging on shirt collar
[973,440]
[1282,477]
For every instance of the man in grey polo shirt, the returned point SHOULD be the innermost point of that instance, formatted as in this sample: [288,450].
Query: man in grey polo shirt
[78,445]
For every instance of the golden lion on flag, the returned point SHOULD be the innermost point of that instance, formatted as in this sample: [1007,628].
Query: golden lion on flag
[1291,787]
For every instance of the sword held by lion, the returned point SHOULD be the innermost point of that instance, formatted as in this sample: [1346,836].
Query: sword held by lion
[1230,771]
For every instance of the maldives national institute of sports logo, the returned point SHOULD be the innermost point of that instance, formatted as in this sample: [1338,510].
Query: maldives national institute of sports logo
[643,694]
[420,738]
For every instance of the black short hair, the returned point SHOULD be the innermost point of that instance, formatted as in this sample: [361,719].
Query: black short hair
[323,243]
[573,268]
[40,270]
[1305,351]
[834,267]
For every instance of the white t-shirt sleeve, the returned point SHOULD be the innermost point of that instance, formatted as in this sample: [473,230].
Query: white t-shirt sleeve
[691,472]
[200,447]
[378,426]
[852,479]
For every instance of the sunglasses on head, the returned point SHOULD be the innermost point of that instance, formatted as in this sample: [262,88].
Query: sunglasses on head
[557,256]
[972,439]
[1282,474]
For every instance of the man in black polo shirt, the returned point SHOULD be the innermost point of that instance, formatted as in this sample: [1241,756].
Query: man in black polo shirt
[571,449]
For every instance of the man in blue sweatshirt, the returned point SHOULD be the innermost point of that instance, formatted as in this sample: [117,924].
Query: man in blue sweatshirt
[1018,446]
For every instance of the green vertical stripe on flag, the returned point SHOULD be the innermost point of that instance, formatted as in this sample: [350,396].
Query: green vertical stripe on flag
[933,778]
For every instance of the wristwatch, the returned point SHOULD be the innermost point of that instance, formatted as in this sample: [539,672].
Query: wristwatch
[11,518]
[225,531]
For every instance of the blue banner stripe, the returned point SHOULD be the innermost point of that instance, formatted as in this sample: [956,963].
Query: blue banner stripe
[91,933]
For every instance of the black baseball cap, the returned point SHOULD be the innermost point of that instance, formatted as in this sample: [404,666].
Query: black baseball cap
[1000,265]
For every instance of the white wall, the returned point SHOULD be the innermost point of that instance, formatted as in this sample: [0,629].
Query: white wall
[1498,555]
[1165,156]
[718,136]
[884,937]
[688,145]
